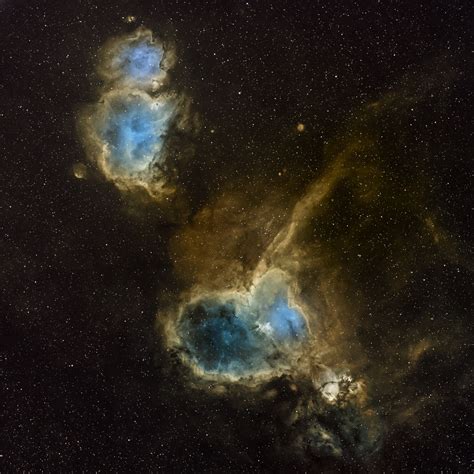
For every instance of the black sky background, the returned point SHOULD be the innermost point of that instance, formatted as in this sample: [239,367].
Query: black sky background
[86,383]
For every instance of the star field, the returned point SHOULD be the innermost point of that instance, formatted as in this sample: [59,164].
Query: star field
[236,236]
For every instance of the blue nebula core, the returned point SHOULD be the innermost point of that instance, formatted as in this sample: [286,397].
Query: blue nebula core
[223,337]
[140,61]
[221,340]
[134,130]
[287,323]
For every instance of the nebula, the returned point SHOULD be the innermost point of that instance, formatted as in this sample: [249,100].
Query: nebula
[221,339]
[243,334]
[285,313]
[133,129]
[261,258]
[137,60]
[281,311]
[260,342]
[128,132]
[285,323]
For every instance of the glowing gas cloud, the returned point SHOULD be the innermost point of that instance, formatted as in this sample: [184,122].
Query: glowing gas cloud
[138,60]
[127,132]
[269,308]
[239,334]
[130,128]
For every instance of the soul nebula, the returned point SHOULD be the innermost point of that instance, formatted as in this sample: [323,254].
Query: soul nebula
[139,61]
[127,130]
[133,128]
[136,60]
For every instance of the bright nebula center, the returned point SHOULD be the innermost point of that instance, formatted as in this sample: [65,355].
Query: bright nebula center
[242,336]
[139,61]
[134,131]
[286,322]
[220,339]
